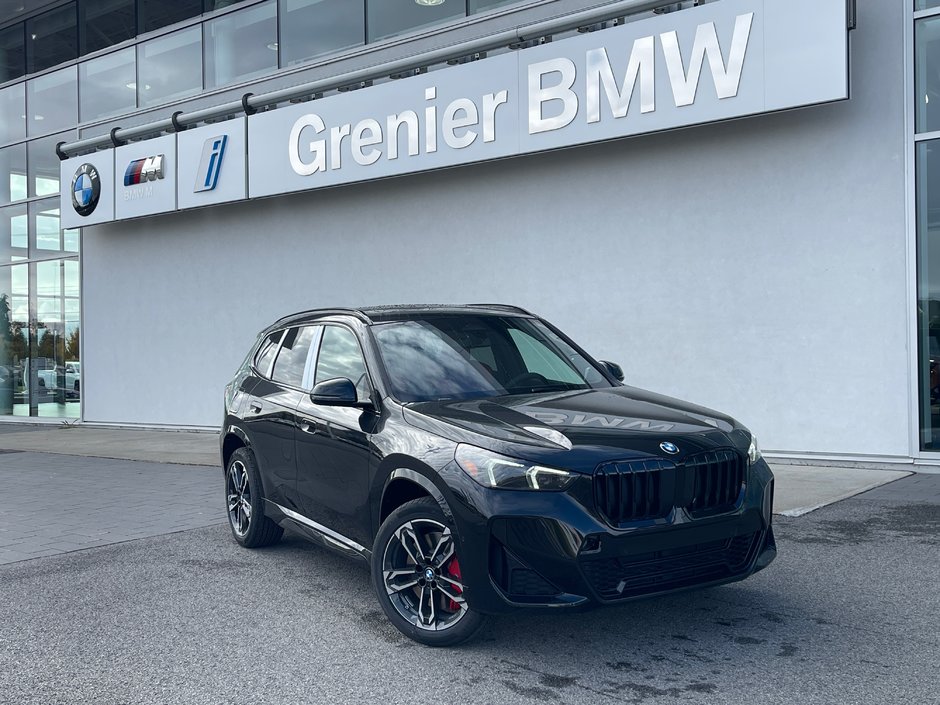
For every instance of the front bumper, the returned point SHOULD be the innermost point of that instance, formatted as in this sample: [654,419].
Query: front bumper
[553,550]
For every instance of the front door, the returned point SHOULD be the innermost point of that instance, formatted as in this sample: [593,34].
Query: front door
[333,444]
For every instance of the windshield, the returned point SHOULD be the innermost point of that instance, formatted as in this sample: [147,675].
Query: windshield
[468,357]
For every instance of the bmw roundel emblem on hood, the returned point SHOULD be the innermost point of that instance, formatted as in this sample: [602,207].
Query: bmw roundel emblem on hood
[668,447]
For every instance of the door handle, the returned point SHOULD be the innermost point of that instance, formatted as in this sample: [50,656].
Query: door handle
[255,407]
[308,426]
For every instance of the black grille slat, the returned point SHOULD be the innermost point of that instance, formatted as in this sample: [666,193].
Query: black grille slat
[719,476]
[649,489]
[633,491]
[629,576]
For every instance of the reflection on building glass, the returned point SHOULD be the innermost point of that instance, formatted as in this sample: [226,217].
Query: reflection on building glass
[390,17]
[108,85]
[481,5]
[12,174]
[46,236]
[241,45]
[169,67]
[13,237]
[311,28]
[40,362]
[106,22]
[12,52]
[44,165]
[928,231]
[52,38]
[12,112]
[52,102]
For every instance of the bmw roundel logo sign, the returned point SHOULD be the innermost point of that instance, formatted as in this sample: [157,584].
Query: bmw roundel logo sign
[86,189]
[669,447]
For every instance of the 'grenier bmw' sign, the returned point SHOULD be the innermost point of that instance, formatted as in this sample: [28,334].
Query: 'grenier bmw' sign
[718,61]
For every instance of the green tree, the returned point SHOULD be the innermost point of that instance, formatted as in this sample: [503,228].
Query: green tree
[6,331]
[72,347]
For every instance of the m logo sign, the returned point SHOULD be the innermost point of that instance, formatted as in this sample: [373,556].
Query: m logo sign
[207,176]
[142,170]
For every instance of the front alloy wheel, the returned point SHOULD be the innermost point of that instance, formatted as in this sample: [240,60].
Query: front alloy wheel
[417,576]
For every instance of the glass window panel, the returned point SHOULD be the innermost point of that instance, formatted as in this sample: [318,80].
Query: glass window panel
[926,4]
[13,113]
[14,339]
[106,22]
[44,165]
[292,358]
[390,17]
[52,102]
[71,240]
[45,235]
[311,28]
[12,54]
[481,5]
[155,14]
[52,38]
[71,279]
[12,174]
[169,67]
[219,4]
[340,356]
[927,74]
[108,85]
[928,262]
[54,378]
[13,234]
[241,45]
[267,351]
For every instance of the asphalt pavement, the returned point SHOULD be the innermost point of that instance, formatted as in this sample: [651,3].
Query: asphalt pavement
[849,613]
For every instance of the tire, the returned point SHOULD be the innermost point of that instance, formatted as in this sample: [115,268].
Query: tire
[244,503]
[430,611]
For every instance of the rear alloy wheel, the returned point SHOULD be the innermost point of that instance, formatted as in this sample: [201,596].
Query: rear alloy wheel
[417,576]
[245,503]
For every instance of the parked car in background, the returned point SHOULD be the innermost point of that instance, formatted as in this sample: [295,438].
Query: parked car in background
[480,462]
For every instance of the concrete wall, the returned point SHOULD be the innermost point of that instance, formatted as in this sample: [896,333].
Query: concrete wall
[756,266]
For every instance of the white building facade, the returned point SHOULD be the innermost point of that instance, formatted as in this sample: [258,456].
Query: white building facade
[753,236]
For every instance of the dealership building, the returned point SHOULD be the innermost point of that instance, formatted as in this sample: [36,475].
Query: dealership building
[736,200]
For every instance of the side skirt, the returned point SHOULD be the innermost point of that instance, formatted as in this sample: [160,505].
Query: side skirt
[317,533]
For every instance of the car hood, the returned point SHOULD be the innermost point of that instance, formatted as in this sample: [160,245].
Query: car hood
[618,418]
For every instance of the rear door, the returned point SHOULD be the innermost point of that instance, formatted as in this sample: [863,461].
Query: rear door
[270,413]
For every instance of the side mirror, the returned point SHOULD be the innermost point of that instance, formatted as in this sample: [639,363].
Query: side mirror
[335,392]
[613,369]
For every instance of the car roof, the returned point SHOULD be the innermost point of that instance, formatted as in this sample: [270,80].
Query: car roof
[399,312]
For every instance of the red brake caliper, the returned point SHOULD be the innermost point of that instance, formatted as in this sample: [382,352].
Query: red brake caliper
[453,570]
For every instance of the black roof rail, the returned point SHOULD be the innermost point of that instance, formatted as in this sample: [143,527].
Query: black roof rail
[317,312]
[504,307]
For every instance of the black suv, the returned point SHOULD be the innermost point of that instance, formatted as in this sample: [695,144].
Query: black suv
[479,461]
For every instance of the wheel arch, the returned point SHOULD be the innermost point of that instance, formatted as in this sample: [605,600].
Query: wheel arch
[233,439]
[403,485]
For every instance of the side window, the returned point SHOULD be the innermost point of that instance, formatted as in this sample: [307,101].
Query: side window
[267,351]
[340,356]
[539,359]
[291,360]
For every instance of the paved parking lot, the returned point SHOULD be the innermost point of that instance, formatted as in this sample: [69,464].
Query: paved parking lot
[59,503]
[849,613]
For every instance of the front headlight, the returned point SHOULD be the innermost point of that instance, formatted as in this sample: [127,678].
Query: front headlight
[753,451]
[495,470]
